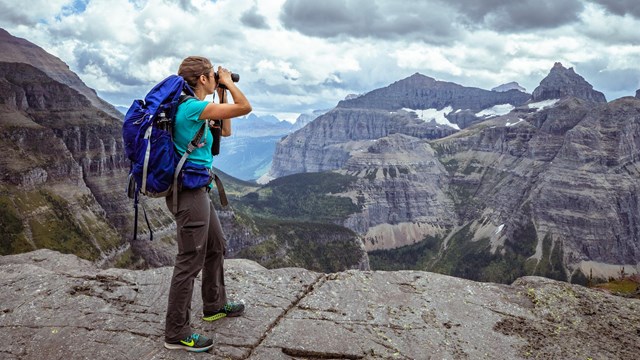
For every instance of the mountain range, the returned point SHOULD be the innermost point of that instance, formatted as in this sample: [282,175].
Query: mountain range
[483,184]
[422,174]
[247,153]
[63,181]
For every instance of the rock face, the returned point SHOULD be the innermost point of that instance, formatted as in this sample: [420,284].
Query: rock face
[562,82]
[401,186]
[553,181]
[60,306]
[65,171]
[17,50]
[422,92]
[563,180]
[417,106]
[326,143]
[509,86]
[54,160]
[638,93]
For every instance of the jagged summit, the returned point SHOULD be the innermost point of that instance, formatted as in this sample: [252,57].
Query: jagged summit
[562,82]
[418,78]
[509,86]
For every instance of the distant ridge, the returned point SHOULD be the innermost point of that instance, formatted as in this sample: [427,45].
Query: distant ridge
[422,92]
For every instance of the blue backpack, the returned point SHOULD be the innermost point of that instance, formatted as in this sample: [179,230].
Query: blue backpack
[148,143]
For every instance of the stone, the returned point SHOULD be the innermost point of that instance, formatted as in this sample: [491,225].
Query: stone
[59,306]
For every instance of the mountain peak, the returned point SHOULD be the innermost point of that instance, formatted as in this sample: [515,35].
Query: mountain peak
[638,93]
[509,86]
[416,79]
[423,77]
[558,65]
[562,82]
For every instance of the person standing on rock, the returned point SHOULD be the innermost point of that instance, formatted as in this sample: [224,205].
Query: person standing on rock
[201,242]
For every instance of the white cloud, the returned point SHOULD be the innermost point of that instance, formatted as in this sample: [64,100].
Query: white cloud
[37,11]
[608,28]
[290,61]
[426,57]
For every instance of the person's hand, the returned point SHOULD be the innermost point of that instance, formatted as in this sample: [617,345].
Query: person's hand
[224,76]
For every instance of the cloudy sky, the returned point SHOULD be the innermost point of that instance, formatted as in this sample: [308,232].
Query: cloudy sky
[295,56]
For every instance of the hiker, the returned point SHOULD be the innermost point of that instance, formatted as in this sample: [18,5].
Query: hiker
[201,242]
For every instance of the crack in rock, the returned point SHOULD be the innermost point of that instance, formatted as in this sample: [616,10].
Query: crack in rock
[307,354]
[319,281]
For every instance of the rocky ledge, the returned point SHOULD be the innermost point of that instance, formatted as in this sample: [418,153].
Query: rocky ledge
[59,306]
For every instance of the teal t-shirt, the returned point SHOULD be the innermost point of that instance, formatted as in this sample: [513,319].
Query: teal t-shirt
[185,128]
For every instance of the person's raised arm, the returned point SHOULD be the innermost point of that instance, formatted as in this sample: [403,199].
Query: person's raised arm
[239,107]
[226,123]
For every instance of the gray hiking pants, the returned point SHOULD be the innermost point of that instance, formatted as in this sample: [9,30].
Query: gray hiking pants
[201,246]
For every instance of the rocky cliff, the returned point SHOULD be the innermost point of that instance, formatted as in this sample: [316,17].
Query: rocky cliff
[402,188]
[558,185]
[422,92]
[64,172]
[546,187]
[417,106]
[329,141]
[562,82]
[63,178]
[58,306]
[52,155]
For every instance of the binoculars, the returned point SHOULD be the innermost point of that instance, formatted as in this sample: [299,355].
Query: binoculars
[234,77]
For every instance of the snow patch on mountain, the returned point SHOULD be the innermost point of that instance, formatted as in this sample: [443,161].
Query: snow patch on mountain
[439,116]
[496,110]
[540,105]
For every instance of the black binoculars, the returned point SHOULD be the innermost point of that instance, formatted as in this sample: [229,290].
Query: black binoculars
[234,77]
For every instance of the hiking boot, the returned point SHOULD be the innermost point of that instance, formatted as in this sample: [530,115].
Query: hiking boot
[231,309]
[194,343]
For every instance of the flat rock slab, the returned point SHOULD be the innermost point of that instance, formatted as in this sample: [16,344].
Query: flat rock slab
[55,306]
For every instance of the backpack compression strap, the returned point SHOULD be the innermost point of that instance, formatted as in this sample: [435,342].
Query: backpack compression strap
[135,221]
[193,144]
[221,193]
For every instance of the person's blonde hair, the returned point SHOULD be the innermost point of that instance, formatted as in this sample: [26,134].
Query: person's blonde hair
[192,67]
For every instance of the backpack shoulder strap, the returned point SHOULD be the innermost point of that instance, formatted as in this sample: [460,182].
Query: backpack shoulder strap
[193,144]
[184,97]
